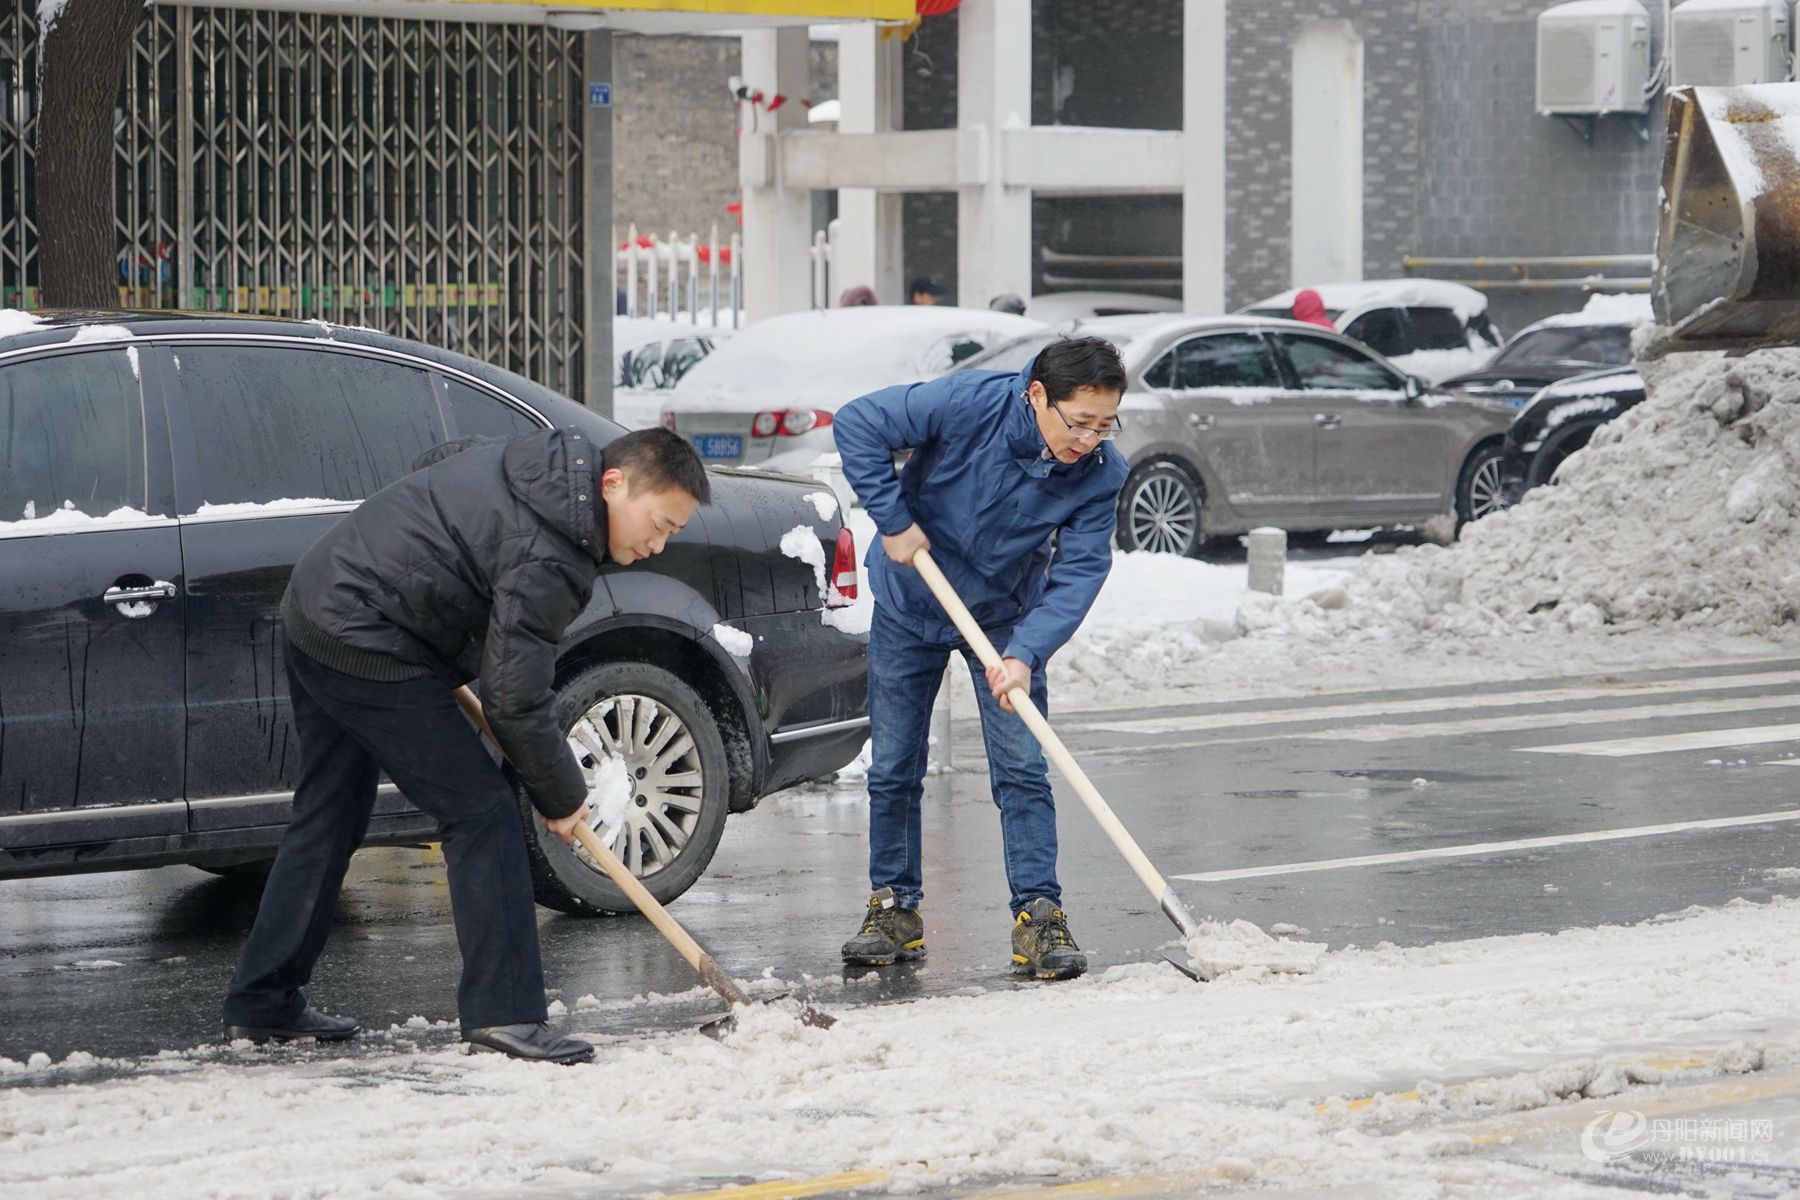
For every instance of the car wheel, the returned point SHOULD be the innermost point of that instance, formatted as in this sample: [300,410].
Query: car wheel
[1478,491]
[1160,511]
[1546,464]
[675,761]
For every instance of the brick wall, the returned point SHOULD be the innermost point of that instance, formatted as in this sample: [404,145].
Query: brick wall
[675,129]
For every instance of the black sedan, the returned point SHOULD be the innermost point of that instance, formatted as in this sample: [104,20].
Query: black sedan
[161,473]
[1560,420]
[1543,353]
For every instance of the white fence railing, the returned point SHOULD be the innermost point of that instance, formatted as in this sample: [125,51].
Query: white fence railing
[684,278]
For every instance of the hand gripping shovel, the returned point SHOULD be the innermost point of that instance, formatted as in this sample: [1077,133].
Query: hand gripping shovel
[1165,896]
[704,964]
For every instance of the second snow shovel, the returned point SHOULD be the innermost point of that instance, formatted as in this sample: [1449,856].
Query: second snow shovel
[1165,896]
[704,964]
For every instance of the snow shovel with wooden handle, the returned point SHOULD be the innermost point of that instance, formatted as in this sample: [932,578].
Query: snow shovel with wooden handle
[1165,896]
[704,964]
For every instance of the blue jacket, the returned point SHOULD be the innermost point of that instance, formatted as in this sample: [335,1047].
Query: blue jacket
[1025,540]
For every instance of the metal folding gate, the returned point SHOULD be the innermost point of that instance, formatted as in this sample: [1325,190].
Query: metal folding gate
[422,178]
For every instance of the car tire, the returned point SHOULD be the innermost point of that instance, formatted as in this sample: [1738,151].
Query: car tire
[1478,485]
[1554,452]
[677,813]
[1161,510]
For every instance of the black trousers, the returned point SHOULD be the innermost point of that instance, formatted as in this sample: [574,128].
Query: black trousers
[350,730]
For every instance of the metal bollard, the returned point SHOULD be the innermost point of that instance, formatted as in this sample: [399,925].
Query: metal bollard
[941,760]
[1268,559]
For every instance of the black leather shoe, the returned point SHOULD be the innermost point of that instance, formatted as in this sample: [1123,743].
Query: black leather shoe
[533,1042]
[311,1023]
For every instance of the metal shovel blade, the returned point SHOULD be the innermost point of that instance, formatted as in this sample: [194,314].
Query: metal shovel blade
[1728,242]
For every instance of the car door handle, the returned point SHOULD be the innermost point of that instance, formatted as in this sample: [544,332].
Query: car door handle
[1327,420]
[1201,420]
[151,592]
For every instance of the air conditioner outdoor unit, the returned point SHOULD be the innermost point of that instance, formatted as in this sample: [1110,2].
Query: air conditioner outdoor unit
[1729,43]
[1593,57]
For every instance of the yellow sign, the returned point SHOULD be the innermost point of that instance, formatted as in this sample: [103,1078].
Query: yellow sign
[817,10]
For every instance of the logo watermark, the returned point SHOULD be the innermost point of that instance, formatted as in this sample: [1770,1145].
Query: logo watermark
[1626,1137]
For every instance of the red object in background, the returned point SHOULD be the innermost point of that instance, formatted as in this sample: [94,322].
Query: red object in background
[776,101]
[936,8]
[788,422]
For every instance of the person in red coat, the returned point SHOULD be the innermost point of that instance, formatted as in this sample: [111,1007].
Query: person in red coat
[1309,306]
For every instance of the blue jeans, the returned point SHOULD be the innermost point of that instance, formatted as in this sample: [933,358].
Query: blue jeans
[904,674]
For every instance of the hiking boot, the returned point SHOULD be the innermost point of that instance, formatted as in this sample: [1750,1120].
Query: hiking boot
[889,934]
[1042,945]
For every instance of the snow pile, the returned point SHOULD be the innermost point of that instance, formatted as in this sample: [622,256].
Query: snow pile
[737,643]
[67,519]
[825,502]
[1683,514]
[803,544]
[1350,1080]
[1219,947]
[610,792]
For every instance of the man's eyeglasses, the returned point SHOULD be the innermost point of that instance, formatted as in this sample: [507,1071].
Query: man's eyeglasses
[1088,433]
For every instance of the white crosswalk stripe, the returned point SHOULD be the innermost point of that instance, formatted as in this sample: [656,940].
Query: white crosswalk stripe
[1198,722]
[1703,739]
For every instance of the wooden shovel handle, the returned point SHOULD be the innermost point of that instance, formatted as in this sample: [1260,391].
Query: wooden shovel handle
[684,942]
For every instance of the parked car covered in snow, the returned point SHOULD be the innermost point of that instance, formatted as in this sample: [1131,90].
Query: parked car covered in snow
[650,356]
[1599,336]
[766,397]
[160,474]
[1560,420]
[1054,307]
[1235,422]
[1428,327]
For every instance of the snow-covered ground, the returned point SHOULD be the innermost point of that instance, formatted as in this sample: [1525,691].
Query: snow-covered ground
[1256,1078]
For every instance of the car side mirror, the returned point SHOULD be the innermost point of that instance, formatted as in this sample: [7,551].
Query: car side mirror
[1415,387]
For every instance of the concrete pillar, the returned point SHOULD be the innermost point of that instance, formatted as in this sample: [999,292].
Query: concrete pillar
[597,189]
[993,221]
[777,221]
[1327,222]
[870,245]
[1203,138]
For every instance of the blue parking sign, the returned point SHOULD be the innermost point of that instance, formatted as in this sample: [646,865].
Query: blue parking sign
[599,95]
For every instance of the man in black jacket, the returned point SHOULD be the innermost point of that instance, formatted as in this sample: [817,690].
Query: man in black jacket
[472,566]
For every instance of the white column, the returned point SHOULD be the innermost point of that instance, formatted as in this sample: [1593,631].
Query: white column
[993,221]
[777,221]
[1203,140]
[1327,221]
[870,246]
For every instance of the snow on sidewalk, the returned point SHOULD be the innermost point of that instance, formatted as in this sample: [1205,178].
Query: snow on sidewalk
[1247,1078]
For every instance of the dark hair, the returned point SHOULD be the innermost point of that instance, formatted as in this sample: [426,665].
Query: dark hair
[658,459]
[1069,363]
[926,284]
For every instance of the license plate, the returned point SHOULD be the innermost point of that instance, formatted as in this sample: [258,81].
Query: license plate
[719,445]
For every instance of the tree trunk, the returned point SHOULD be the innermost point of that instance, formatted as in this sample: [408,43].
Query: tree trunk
[82,69]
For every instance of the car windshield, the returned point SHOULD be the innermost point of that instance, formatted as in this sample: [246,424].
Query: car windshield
[1602,345]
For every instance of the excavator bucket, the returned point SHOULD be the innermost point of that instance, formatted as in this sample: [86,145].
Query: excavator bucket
[1728,244]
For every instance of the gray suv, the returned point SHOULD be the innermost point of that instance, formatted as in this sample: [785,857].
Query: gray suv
[1232,423]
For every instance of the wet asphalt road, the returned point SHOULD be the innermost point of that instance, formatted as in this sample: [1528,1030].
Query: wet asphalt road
[1220,788]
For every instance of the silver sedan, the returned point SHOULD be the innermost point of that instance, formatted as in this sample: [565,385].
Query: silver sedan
[1231,423]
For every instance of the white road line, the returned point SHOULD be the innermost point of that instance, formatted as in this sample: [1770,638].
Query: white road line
[1705,739]
[1552,720]
[1473,848]
[1549,721]
[1783,762]
[1427,704]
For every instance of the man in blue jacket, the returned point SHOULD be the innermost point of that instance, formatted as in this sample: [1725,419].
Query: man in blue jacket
[1013,489]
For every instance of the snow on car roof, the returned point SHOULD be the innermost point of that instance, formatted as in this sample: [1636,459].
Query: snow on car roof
[1596,8]
[1603,309]
[1465,301]
[826,359]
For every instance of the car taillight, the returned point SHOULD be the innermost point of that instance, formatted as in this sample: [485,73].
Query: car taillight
[843,572]
[668,421]
[796,421]
[788,422]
